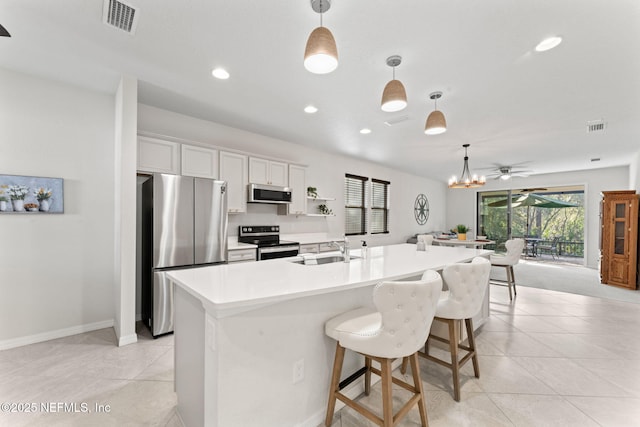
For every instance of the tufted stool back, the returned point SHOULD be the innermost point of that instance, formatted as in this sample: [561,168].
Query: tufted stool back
[406,311]
[467,286]
[514,250]
[426,238]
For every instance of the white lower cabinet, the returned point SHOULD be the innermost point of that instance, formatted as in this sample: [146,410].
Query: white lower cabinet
[310,248]
[327,247]
[242,255]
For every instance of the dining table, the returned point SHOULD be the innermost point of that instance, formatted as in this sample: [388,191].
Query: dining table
[471,243]
[532,245]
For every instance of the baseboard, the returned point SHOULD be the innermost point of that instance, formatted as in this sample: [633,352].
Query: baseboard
[128,339]
[52,335]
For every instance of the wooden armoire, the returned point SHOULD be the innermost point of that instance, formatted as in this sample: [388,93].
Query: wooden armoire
[619,238]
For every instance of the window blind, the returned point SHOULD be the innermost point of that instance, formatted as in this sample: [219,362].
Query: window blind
[379,206]
[354,204]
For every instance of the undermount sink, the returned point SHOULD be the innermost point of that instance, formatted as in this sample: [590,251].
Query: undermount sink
[323,260]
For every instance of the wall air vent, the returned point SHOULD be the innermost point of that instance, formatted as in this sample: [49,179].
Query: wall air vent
[396,120]
[120,15]
[595,126]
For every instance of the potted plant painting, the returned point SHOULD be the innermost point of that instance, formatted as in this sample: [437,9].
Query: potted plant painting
[462,229]
[3,198]
[17,193]
[43,196]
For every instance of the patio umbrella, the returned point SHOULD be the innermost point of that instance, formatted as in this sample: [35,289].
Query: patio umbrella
[531,200]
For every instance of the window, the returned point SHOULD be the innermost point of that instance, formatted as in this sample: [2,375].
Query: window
[354,205]
[379,206]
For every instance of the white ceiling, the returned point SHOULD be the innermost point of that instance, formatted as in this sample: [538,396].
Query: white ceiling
[513,105]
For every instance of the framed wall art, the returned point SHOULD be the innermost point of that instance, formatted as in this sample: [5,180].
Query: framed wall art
[31,194]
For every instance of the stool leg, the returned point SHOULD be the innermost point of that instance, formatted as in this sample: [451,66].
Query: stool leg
[472,346]
[509,282]
[403,368]
[513,280]
[453,347]
[335,383]
[415,369]
[387,400]
[367,375]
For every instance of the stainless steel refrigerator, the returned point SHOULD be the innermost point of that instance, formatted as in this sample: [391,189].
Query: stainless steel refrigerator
[184,225]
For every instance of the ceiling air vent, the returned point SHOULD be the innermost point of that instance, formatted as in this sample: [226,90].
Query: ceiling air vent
[595,126]
[120,15]
[395,121]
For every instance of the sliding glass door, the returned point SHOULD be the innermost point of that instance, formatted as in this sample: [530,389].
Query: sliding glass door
[550,218]
[494,220]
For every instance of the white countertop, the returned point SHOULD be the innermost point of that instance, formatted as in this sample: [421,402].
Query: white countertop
[236,246]
[231,288]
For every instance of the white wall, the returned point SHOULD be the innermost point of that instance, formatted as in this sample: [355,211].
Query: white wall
[325,171]
[56,270]
[461,203]
[634,173]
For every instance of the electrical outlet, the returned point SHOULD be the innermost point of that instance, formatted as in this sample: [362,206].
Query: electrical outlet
[298,371]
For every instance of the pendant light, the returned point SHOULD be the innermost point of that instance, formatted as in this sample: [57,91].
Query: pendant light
[321,53]
[394,97]
[436,123]
[466,179]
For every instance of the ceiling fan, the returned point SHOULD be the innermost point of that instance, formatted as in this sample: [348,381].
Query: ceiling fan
[506,172]
[4,32]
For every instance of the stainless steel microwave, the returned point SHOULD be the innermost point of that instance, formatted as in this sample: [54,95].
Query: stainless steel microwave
[260,193]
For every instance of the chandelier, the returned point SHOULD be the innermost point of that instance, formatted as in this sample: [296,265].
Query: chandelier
[466,179]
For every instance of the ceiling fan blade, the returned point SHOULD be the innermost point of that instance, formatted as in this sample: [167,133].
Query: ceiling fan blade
[4,32]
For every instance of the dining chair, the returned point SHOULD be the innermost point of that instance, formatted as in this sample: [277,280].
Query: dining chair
[551,248]
[427,239]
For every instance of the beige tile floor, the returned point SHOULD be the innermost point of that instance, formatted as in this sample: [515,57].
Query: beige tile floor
[546,359]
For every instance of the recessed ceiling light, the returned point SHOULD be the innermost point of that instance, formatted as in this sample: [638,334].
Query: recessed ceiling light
[365,131]
[220,73]
[548,44]
[310,109]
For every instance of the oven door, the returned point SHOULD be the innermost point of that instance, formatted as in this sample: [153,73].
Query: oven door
[273,252]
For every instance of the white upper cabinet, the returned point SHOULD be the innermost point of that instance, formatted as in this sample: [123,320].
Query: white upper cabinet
[156,155]
[199,162]
[233,169]
[298,185]
[263,171]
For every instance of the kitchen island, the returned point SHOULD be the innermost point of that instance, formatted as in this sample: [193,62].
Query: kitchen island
[250,347]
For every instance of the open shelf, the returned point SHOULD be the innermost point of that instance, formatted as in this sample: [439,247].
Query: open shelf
[320,214]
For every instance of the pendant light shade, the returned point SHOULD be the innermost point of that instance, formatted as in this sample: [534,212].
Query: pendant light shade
[321,54]
[436,122]
[466,179]
[394,97]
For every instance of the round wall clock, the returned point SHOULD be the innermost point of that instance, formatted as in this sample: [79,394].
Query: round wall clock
[421,209]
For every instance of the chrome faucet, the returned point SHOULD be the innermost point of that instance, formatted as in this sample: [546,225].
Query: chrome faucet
[344,248]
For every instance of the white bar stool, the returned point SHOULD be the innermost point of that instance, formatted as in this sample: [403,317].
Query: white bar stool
[397,328]
[508,260]
[467,284]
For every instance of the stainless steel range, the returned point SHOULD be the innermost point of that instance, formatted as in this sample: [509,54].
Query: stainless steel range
[267,237]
